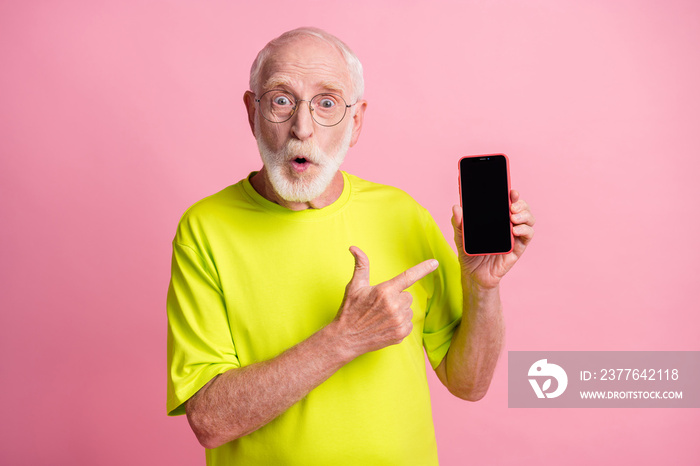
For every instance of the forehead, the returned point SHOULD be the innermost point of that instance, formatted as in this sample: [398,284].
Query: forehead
[306,64]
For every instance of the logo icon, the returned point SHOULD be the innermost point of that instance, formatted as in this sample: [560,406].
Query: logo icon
[544,369]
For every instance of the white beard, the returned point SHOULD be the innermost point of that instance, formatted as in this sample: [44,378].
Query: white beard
[302,187]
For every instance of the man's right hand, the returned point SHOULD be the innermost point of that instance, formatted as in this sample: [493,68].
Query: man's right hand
[373,317]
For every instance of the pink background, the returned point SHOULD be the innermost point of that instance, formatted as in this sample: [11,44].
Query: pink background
[116,116]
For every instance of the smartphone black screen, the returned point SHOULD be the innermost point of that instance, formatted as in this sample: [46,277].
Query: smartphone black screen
[485,203]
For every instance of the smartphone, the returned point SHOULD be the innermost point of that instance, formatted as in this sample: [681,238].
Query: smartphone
[484,188]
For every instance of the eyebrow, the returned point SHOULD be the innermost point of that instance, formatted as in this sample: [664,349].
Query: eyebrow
[277,81]
[333,86]
[285,82]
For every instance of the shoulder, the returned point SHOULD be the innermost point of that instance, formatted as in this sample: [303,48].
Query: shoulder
[388,207]
[369,191]
[215,202]
[392,202]
[211,211]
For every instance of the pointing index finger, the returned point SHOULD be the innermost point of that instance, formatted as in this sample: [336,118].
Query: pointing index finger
[408,277]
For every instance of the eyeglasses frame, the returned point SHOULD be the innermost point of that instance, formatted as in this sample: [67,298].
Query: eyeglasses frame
[311,109]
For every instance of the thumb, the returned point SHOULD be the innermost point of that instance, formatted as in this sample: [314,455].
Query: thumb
[457,222]
[360,276]
[457,218]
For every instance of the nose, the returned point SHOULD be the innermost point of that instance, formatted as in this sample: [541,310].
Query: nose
[302,122]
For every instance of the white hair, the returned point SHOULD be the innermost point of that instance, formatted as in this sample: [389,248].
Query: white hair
[353,63]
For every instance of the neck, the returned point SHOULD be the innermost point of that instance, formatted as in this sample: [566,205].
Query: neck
[261,183]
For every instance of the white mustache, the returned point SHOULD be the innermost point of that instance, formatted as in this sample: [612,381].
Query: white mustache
[307,149]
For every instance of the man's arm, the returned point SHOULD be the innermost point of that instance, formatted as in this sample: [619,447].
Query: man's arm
[242,400]
[468,367]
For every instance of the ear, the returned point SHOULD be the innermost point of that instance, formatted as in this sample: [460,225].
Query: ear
[249,101]
[357,120]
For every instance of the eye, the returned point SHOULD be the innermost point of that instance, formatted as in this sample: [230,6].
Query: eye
[326,102]
[282,100]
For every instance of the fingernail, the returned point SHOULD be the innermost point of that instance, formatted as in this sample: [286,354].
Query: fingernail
[517,217]
[434,264]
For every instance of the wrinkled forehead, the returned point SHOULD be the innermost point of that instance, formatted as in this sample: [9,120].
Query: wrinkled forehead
[307,64]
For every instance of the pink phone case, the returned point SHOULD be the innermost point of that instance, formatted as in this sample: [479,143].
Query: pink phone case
[459,183]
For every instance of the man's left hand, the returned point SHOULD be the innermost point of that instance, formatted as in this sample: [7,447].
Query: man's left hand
[487,271]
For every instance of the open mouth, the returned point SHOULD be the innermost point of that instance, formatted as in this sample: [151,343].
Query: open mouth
[300,164]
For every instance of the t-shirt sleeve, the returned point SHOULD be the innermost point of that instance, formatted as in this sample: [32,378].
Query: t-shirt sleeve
[444,310]
[200,345]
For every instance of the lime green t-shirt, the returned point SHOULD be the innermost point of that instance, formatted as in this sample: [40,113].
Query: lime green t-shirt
[251,279]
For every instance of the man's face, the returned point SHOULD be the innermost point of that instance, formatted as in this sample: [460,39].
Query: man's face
[301,157]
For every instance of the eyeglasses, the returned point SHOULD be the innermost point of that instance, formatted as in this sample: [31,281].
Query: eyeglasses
[278,106]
